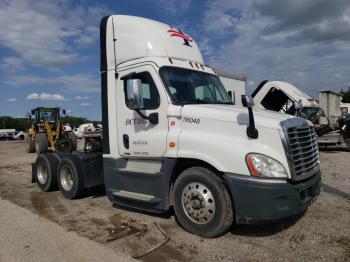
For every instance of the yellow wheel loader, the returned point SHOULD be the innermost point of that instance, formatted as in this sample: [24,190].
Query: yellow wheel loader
[47,131]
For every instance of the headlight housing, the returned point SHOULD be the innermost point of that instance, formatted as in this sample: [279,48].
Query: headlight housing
[263,166]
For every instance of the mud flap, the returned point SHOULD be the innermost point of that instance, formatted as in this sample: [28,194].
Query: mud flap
[33,170]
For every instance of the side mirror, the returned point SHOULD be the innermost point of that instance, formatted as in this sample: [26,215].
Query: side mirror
[252,132]
[64,112]
[247,101]
[298,105]
[32,112]
[134,95]
[233,96]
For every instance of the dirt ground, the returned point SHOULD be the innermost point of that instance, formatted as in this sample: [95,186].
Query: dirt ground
[322,233]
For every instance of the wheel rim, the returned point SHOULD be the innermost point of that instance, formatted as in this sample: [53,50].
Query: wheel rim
[42,173]
[198,203]
[66,177]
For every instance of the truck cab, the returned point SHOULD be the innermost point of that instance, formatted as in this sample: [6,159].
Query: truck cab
[173,140]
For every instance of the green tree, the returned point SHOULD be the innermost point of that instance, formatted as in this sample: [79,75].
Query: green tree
[23,124]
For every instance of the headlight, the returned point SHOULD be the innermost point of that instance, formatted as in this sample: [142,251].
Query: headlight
[264,166]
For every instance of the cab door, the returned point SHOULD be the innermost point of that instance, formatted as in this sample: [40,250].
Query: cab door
[137,137]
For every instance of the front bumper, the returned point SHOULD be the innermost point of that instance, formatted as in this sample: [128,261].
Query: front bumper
[255,201]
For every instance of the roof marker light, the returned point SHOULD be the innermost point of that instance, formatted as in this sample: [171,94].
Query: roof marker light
[170,60]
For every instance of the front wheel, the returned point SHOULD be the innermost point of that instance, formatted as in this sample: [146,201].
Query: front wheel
[30,144]
[41,143]
[201,202]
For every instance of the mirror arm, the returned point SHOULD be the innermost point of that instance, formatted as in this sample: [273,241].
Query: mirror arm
[142,114]
[152,118]
[252,132]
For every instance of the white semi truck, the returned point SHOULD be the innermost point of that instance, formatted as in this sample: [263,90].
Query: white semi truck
[173,139]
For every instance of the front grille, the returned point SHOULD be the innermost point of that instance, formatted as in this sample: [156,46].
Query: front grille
[301,148]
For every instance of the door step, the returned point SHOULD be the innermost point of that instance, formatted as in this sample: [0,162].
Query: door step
[134,196]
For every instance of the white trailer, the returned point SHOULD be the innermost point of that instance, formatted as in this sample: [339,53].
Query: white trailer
[234,83]
[173,139]
[330,103]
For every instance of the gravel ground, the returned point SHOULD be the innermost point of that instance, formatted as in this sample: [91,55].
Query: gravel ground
[28,237]
[322,233]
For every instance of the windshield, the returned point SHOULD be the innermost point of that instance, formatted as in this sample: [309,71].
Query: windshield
[192,87]
[48,115]
[312,113]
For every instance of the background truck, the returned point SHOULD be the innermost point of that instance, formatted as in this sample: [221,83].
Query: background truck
[172,139]
[332,126]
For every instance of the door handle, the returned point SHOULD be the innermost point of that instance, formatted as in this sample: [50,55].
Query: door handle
[126,141]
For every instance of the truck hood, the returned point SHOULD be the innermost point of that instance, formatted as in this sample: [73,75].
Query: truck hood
[235,114]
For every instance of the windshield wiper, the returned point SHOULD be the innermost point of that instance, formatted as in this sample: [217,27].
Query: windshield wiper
[194,101]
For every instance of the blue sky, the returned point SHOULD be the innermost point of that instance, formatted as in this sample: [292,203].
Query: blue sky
[49,50]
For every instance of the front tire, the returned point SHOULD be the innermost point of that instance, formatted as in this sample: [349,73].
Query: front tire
[71,178]
[30,144]
[201,202]
[41,143]
[46,172]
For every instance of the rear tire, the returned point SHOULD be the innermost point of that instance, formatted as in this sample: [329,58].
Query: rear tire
[30,144]
[45,173]
[71,178]
[64,145]
[201,202]
[41,143]
[71,136]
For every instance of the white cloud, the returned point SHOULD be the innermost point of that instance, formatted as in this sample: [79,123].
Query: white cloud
[73,83]
[246,47]
[11,99]
[85,104]
[11,63]
[44,96]
[90,34]
[222,16]
[39,32]
[171,7]
[81,97]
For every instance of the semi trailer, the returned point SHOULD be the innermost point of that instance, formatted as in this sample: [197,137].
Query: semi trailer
[234,83]
[173,140]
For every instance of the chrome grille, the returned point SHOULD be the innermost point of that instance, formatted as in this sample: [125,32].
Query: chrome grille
[301,148]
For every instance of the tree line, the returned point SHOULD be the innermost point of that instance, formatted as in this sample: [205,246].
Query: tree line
[346,95]
[23,123]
